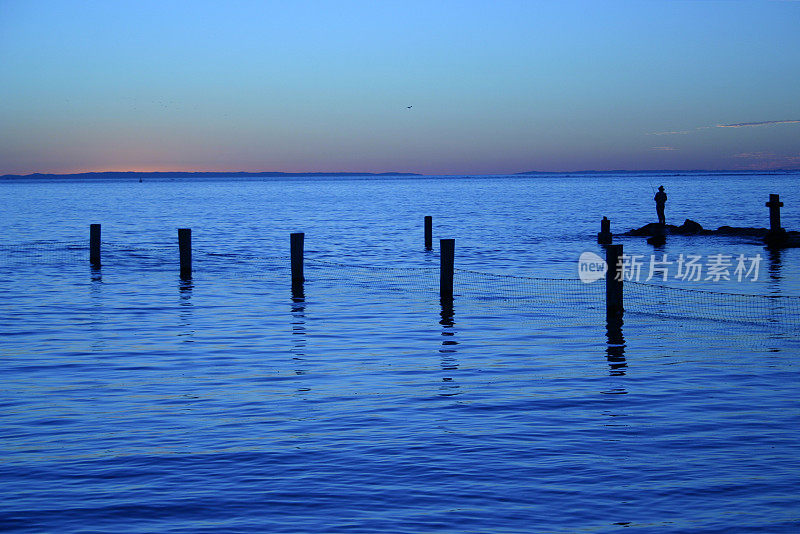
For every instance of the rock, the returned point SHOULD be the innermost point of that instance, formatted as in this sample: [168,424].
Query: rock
[790,239]
[650,229]
[690,227]
[741,231]
[782,239]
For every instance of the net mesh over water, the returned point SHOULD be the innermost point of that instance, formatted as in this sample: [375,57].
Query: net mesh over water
[694,303]
[477,289]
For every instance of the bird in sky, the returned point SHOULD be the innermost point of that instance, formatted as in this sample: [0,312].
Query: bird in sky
[409,107]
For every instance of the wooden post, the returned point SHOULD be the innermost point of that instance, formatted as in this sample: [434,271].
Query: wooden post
[185,251]
[774,206]
[604,237]
[296,242]
[614,308]
[447,249]
[94,245]
[428,232]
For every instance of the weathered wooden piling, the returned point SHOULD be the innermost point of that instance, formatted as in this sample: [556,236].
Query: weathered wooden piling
[774,206]
[428,232]
[447,249]
[185,251]
[296,242]
[777,236]
[604,237]
[614,308]
[94,245]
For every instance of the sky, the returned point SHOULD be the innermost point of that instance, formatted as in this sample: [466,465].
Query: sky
[433,87]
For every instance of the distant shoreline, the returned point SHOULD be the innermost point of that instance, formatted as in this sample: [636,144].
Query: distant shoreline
[121,175]
[197,174]
[667,172]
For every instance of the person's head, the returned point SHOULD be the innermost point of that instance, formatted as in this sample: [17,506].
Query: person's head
[660,187]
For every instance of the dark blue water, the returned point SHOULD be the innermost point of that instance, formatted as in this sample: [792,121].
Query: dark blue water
[133,401]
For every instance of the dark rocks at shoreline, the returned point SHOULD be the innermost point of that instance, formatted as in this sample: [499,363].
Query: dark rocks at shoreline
[690,227]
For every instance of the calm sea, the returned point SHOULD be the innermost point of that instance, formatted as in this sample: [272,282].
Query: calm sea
[134,401]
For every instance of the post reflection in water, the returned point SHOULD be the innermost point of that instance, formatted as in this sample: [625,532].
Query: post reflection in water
[299,339]
[97,312]
[615,346]
[774,258]
[448,388]
[776,312]
[185,287]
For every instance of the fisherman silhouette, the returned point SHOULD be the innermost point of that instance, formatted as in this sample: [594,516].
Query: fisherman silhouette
[661,199]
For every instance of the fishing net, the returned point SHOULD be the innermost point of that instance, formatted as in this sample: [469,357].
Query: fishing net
[472,288]
[709,305]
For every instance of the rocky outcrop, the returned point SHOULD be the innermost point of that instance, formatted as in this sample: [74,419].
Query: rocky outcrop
[690,227]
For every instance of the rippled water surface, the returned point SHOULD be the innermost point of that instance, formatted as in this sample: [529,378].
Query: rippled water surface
[134,401]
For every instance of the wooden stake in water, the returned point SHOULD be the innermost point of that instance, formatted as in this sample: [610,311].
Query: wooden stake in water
[185,250]
[447,249]
[428,232]
[614,306]
[604,237]
[297,242]
[94,245]
[774,206]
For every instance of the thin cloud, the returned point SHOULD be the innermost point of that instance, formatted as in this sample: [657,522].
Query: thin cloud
[760,123]
[767,160]
[682,132]
[759,155]
[663,148]
[732,125]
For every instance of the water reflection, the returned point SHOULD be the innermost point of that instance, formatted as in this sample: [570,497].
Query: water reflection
[778,310]
[774,259]
[448,351]
[97,313]
[615,354]
[615,345]
[299,333]
[185,311]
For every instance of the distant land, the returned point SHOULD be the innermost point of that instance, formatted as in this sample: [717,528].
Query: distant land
[666,171]
[135,175]
[199,174]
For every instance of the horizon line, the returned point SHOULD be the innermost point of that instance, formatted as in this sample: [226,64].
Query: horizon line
[386,173]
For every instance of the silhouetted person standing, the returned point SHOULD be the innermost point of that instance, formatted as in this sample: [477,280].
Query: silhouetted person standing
[661,199]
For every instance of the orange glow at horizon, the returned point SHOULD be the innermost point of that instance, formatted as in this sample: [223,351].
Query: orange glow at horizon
[156,168]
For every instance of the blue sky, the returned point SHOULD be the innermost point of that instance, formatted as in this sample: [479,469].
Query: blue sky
[495,86]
